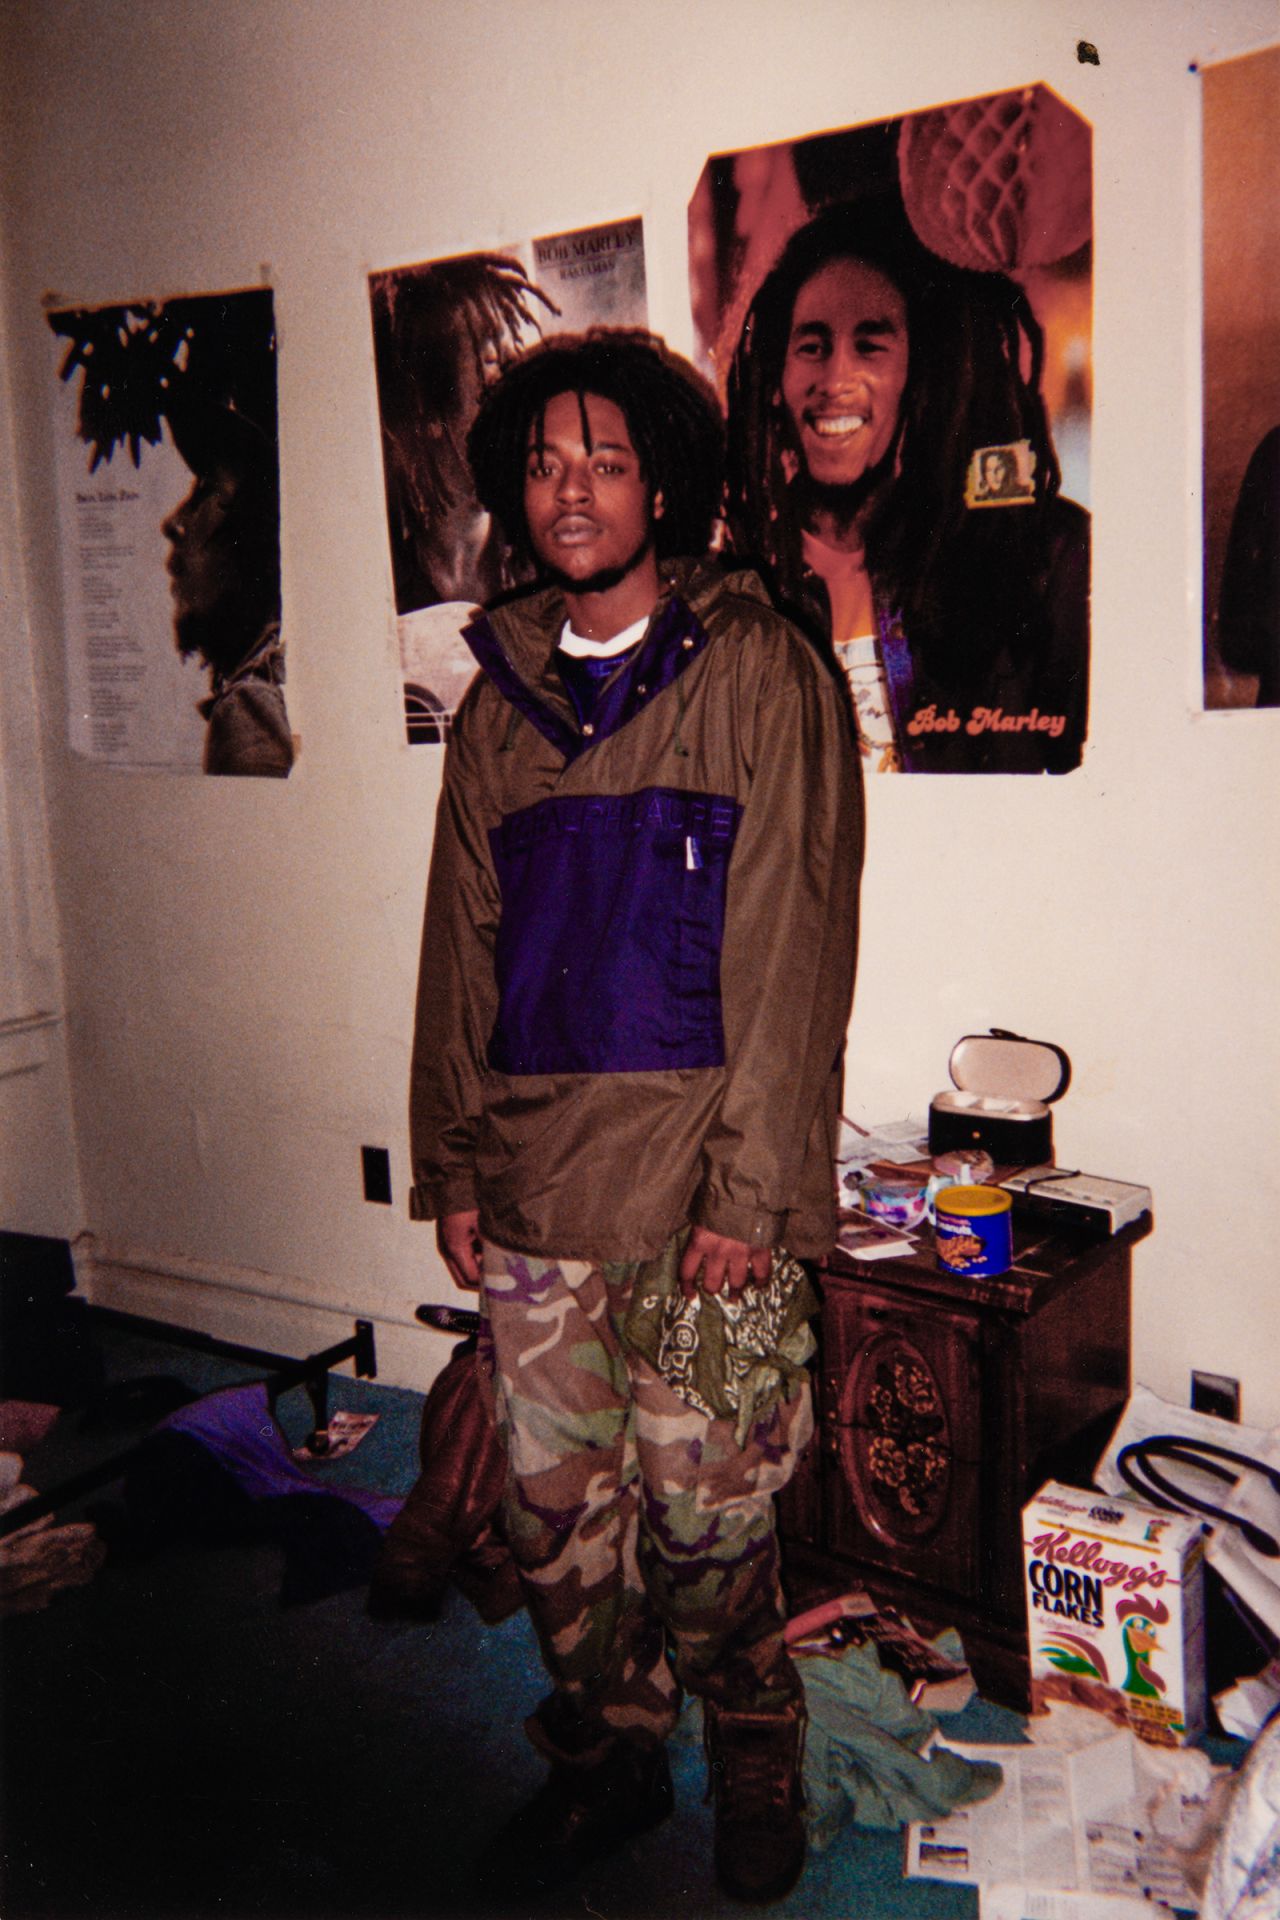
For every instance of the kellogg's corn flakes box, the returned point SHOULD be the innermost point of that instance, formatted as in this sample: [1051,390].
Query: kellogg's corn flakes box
[1115,1610]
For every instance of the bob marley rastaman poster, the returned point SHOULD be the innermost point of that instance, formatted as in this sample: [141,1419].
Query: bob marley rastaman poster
[442,331]
[898,318]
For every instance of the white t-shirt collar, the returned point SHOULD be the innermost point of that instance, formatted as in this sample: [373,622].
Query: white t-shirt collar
[579,647]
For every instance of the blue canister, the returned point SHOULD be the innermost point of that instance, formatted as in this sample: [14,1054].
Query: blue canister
[973,1230]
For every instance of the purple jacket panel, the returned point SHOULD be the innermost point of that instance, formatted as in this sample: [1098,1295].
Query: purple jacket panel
[608,952]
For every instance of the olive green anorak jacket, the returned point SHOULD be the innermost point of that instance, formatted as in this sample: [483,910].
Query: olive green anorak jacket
[638,950]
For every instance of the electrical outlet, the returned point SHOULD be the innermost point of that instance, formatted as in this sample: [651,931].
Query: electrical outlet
[376,1164]
[1215,1393]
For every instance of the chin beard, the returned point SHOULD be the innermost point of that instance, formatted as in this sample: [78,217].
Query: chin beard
[191,636]
[605,579]
[219,639]
[846,504]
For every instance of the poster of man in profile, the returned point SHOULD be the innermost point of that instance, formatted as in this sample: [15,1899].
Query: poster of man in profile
[169,502]
[442,332]
[1241,101]
[897,318]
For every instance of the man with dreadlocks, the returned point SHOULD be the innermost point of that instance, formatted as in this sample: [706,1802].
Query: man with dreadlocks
[636,973]
[869,380]
[442,332]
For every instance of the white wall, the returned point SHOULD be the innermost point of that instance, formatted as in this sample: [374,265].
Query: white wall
[240,954]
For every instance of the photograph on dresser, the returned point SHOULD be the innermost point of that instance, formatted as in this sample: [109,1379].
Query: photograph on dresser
[168,487]
[897,318]
[1240,113]
[442,332]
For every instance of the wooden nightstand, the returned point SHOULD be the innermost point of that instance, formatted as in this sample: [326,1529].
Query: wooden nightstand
[942,1404]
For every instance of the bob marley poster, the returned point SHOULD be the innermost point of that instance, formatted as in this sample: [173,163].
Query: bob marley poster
[442,331]
[897,319]
[169,500]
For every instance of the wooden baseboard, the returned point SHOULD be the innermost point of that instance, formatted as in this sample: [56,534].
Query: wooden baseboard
[254,1309]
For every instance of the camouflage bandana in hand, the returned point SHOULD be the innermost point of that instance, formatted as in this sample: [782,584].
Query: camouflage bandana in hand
[729,1356]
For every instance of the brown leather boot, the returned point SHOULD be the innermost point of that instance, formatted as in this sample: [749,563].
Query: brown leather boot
[579,1815]
[447,1527]
[754,1764]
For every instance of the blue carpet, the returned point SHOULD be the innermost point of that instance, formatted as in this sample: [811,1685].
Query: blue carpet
[178,1746]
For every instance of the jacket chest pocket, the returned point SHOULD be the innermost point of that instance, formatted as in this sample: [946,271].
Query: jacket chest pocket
[608,949]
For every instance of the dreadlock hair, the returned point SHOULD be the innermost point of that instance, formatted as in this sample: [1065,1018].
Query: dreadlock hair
[671,414]
[963,582]
[425,319]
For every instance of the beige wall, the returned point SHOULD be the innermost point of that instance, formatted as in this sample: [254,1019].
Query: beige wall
[239,955]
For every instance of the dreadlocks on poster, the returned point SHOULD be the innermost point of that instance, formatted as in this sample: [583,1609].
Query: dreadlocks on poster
[897,317]
[169,502]
[442,332]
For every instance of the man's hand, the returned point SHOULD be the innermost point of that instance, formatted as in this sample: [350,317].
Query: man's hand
[722,1262]
[458,1238]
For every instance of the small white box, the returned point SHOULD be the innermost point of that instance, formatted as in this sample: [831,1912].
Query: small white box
[1115,1610]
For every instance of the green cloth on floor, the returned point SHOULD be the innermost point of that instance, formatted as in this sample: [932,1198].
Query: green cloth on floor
[862,1755]
[863,1749]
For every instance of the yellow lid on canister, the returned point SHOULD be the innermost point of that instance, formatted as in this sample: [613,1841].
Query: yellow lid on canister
[972,1202]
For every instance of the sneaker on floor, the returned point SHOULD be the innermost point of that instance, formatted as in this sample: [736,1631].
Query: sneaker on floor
[579,1815]
[754,1761]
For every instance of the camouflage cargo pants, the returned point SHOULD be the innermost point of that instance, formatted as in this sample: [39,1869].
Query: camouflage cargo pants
[637,1522]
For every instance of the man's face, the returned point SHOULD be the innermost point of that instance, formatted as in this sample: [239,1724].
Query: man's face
[477,363]
[202,562]
[587,504]
[845,370]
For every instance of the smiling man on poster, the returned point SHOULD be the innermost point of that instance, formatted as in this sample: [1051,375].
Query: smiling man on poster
[636,975]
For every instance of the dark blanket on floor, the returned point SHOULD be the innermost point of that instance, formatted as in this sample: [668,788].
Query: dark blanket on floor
[221,1470]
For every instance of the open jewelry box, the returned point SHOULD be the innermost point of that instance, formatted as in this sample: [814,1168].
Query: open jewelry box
[1002,1087]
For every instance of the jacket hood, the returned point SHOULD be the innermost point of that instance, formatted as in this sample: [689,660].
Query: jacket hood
[529,625]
